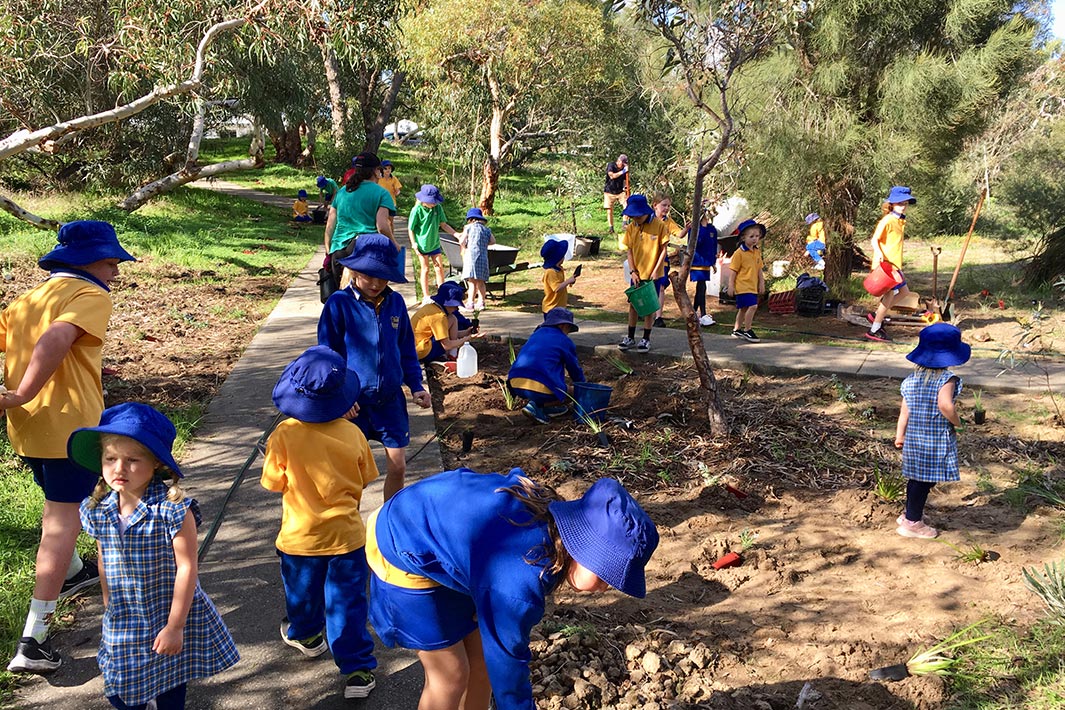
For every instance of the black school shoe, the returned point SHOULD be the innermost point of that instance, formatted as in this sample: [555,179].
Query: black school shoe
[34,657]
[87,577]
[880,336]
[359,684]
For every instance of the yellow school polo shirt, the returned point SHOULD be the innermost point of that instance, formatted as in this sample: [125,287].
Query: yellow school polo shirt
[73,397]
[817,232]
[555,294]
[887,237]
[646,242]
[428,322]
[320,470]
[392,184]
[747,263]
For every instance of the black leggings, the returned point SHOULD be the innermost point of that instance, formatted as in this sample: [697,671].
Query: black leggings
[700,297]
[916,496]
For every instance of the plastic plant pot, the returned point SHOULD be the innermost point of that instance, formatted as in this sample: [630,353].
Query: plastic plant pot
[896,672]
[735,491]
[467,441]
[604,440]
[979,416]
[730,559]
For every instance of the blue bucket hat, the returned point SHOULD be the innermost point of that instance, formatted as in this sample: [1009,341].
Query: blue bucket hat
[750,223]
[899,194]
[553,252]
[940,346]
[607,531]
[449,294]
[559,316]
[812,217]
[386,163]
[429,194]
[301,193]
[475,213]
[636,206]
[322,182]
[147,426]
[83,242]
[317,386]
[375,255]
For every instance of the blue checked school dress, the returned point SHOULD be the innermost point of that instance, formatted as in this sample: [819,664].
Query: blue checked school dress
[930,447]
[140,570]
[475,258]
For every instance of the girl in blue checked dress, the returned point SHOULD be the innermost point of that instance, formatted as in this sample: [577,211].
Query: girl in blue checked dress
[927,420]
[159,628]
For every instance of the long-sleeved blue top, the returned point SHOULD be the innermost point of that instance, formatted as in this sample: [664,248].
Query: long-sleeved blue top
[456,529]
[705,254]
[378,343]
[541,362]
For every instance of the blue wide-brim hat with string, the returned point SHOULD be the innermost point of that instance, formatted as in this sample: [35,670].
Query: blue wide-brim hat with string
[429,194]
[553,252]
[82,243]
[940,346]
[812,217]
[747,224]
[375,255]
[607,532]
[636,206]
[448,293]
[317,386]
[147,426]
[899,194]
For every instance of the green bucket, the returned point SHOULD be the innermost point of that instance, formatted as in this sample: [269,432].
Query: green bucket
[644,298]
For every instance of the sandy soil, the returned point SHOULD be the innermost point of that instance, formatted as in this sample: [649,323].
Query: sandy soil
[827,592]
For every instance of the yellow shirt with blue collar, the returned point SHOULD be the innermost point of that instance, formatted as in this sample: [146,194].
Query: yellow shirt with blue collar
[887,239]
[646,241]
[747,263]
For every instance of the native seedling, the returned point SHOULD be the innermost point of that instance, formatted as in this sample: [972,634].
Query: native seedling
[979,415]
[844,392]
[933,660]
[511,355]
[508,396]
[888,486]
[619,364]
[1050,587]
[748,539]
[973,554]
[710,479]
[590,421]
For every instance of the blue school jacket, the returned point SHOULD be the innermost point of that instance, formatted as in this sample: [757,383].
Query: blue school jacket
[542,360]
[378,344]
[456,529]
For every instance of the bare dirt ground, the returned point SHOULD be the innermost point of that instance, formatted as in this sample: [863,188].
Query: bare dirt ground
[828,590]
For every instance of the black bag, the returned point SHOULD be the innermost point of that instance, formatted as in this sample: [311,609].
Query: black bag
[327,284]
[318,215]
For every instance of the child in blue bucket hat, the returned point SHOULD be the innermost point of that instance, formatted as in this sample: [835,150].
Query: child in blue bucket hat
[556,285]
[426,220]
[887,248]
[539,371]
[327,190]
[927,421]
[437,334]
[321,463]
[816,240]
[160,630]
[367,323]
[301,211]
[474,241]
[464,584]
[746,278]
[644,240]
[53,336]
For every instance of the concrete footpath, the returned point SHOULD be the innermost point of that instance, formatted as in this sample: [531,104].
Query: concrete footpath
[240,571]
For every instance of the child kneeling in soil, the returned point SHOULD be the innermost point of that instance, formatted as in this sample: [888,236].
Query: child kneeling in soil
[320,463]
[464,584]
[437,336]
[927,421]
[747,278]
[367,323]
[301,211]
[539,371]
[160,630]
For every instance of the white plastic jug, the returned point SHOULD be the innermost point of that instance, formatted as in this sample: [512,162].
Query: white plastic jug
[466,365]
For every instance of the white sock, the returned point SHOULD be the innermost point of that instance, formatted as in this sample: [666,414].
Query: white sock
[38,619]
[875,327]
[75,565]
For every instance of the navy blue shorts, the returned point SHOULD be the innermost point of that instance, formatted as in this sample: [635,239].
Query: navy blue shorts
[540,398]
[434,252]
[384,419]
[436,352]
[62,480]
[746,300]
[421,619]
[662,282]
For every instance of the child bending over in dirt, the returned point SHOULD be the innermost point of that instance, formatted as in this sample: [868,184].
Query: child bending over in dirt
[463,585]
[320,463]
[437,336]
[367,323]
[539,372]
[746,278]
[927,419]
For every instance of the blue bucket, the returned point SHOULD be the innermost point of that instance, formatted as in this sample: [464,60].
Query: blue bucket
[592,400]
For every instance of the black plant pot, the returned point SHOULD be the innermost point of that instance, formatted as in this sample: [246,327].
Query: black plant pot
[896,672]
[979,416]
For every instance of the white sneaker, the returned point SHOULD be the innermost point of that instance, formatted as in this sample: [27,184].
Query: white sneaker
[707,320]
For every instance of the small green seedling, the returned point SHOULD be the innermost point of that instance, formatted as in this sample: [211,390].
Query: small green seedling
[710,479]
[619,364]
[978,400]
[511,355]
[888,486]
[844,392]
[508,396]
[934,661]
[1050,587]
[748,539]
[973,554]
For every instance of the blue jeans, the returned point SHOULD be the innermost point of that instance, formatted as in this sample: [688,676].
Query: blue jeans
[173,699]
[329,592]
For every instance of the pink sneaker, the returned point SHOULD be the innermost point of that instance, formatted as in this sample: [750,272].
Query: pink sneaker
[902,519]
[918,529]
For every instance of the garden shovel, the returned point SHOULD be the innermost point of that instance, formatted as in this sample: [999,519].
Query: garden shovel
[948,303]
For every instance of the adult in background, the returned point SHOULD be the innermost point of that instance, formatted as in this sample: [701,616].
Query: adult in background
[615,189]
[360,207]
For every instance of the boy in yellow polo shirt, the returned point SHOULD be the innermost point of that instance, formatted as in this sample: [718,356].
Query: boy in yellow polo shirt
[320,463]
[645,240]
[436,329]
[746,278]
[53,336]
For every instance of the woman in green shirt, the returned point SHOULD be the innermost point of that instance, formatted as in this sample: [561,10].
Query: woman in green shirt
[360,207]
